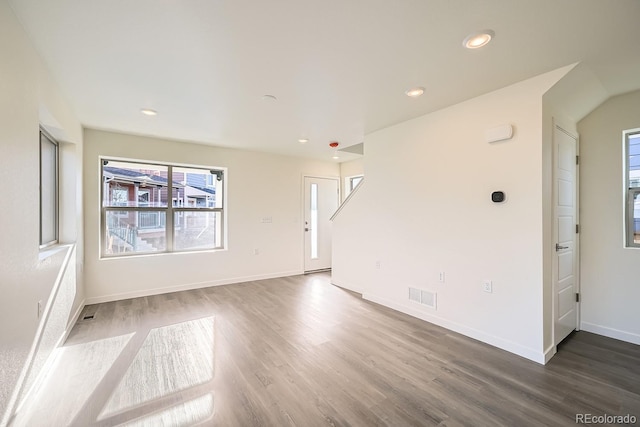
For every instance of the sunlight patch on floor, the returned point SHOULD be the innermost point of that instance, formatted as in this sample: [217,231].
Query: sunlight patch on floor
[86,365]
[172,358]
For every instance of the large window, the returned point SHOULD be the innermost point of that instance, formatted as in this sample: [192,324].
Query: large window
[632,169]
[48,190]
[156,208]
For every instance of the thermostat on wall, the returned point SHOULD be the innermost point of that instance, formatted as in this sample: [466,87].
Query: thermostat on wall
[497,197]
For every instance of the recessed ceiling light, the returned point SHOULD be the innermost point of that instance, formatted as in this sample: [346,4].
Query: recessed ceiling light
[335,156]
[148,112]
[269,98]
[414,92]
[478,39]
[303,140]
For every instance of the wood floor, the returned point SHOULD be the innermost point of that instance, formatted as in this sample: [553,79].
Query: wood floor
[299,351]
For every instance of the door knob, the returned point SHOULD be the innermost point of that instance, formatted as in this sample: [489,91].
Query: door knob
[558,247]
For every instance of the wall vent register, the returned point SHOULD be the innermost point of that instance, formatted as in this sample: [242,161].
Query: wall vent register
[422,296]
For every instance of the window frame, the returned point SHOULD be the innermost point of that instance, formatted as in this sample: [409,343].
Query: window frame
[43,134]
[630,192]
[170,209]
[348,184]
[359,178]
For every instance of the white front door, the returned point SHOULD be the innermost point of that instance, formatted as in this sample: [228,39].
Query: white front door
[320,203]
[564,229]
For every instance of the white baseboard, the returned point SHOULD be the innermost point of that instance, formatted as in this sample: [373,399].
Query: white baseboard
[72,323]
[611,332]
[187,287]
[510,346]
[549,353]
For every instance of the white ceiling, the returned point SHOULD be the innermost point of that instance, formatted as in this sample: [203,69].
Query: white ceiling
[339,68]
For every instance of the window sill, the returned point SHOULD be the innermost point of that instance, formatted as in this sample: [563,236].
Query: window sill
[49,251]
[159,254]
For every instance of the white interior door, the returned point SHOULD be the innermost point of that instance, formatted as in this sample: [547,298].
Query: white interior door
[565,220]
[320,203]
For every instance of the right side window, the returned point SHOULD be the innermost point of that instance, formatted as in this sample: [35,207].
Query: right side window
[48,190]
[350,184]
[354,181]
[632,172]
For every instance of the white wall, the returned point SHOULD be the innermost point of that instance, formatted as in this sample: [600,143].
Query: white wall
[425,208]
[259,185]
[610,274]
[28,97]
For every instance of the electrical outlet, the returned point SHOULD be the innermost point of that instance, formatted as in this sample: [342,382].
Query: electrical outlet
[39,309]
[441,277]
[378,265]
[256,251]
[487,286]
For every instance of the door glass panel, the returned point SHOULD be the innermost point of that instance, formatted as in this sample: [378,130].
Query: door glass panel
[314,221]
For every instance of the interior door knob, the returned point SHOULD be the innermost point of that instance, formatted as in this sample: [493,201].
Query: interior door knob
[558,247]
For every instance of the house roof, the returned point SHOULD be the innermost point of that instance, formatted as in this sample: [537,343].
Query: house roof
[204,189]
[339,69]
[135,176]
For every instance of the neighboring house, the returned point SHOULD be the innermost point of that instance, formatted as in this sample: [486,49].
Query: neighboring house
[199,190]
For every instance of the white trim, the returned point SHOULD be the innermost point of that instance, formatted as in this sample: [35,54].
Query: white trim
[50,251]
[578,271]
[346,191]
[159,162]
[617,334]
[510,346]
[346,200]
[187,287]
[169,209]
[549,353]
[72,323]
[554,230]
[347,286]
[626,237]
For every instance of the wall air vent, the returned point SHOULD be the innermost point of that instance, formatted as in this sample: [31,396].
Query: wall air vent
[423,297]
[414,294]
